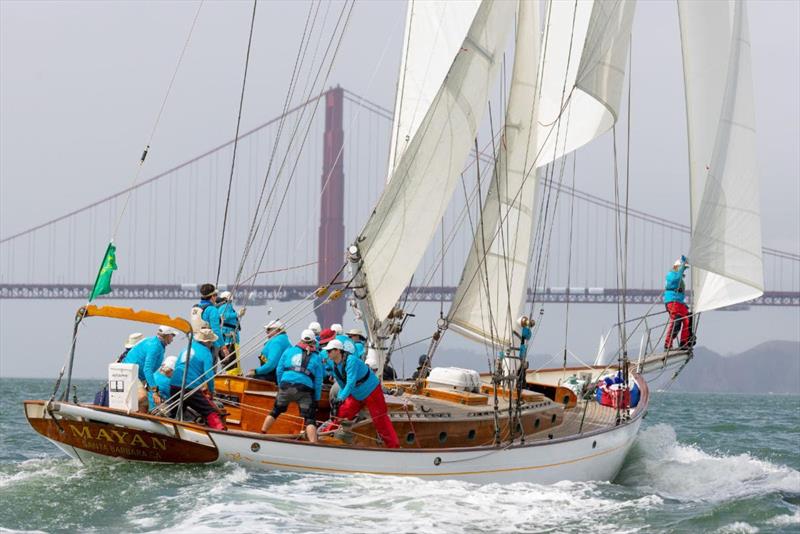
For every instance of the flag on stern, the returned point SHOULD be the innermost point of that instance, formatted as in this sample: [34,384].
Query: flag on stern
[102,286]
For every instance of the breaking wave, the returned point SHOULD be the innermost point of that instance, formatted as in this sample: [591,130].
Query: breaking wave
[659,463]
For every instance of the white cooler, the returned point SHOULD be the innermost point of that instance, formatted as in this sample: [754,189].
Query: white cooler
[123,386]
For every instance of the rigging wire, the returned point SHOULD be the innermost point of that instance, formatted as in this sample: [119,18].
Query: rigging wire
[236,140]
[157,121]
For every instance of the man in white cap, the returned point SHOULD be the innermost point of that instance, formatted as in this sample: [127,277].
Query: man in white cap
[300,375]
[133,339]
[277,343]
[359,387]
[674,300]
[315,327]
[148,354]
[337,328]
[164,375]
[199,378]
[358,338]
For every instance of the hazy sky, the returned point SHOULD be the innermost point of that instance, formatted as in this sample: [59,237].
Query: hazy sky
[81,82]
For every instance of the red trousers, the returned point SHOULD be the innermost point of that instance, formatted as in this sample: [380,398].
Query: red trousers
[377,409]
[678,321]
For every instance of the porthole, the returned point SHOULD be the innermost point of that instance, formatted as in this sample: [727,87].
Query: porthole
[255,447]
[536,423]
[549,436]
[553,419]
[594,444]
[471,434]
[410,437]
[442,437]
[566,400]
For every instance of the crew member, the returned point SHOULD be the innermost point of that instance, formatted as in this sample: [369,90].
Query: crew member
[358,387]
[199,378]
[423,368]
[133,339]
[300,376]
[206,315]
[315,327]
[164,376]
[230,332]
[524,335]
[358,338]
[276,345]
[337,328]
[148,355]
[674,300]
[325,337]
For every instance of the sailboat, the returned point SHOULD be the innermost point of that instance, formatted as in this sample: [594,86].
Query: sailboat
[513,422]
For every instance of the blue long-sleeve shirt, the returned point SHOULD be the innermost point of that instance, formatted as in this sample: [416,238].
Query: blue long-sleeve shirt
[272,351]
[211,316]
[148,354]
[354,370]
[674,286]
[293,357]
[201,368]
[327,363]
[163,383]
[230,323]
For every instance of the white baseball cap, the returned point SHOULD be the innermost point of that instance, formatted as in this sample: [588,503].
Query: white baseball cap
[315,327]
[274,325]
[349,347]
[169,362]
[166,331]
[307,335]
[334,344]
[336,327]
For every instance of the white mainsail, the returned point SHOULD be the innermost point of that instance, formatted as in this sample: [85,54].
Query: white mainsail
[582,72]
[726,232]
[494,281]
[435,30]
[405,218]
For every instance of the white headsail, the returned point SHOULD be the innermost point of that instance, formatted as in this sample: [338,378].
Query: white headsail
[405,218]
[584,53]
[494,281]
[435,30]
[726,232]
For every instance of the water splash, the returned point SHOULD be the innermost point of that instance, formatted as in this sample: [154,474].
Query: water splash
[659,463]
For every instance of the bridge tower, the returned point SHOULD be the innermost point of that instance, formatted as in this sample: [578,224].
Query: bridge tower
[331,220]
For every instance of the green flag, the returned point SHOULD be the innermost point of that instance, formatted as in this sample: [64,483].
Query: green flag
[102,286]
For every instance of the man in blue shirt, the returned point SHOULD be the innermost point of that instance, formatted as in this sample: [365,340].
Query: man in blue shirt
[199,378]
[230,332]
[148,355]
[277,343]
[164,377]
[358,338]
[674,300]
[208,317]
[359,387]
[300,376]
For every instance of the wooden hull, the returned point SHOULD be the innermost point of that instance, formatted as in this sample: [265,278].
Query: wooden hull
[88,431]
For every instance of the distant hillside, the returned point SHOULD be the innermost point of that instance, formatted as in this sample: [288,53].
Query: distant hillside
[771,367]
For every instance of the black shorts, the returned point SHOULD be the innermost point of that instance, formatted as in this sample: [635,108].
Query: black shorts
[302,395]
[197,401]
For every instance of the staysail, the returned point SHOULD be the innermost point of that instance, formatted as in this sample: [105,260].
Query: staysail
[584,52]
[494,280]
[431,25]
[412,204]
[725,252]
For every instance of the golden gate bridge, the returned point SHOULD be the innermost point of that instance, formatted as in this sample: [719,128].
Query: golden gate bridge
[168,241]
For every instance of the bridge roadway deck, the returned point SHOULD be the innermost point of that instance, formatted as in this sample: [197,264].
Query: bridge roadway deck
[263,293]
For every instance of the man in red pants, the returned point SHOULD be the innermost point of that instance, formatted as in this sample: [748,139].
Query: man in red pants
[674,299]
[359,387]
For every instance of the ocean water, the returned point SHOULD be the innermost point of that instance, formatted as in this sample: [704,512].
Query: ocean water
[702,463]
